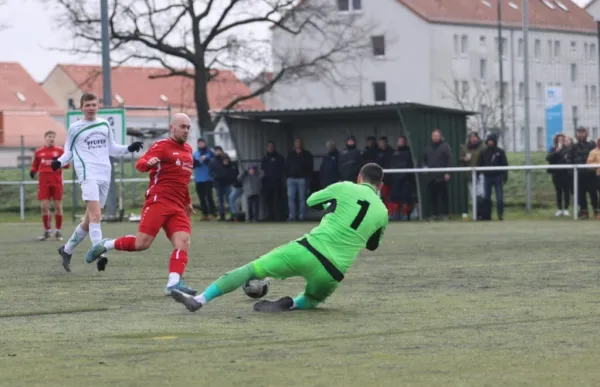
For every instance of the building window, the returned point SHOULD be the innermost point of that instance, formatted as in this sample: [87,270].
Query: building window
[537,48]
[349,5]
[521,90]
[522,135]
[573,46]
[483,68]
[592,51]
[482,41]
[587,95]
[557,48]
[586,52]
[464,44]
[502,48]
[573,72]
[465,89]
[456,44]
[549,49]
[574,113]
[541,138]
[379,91]
[593,95]
[520,48]
[539,93]
[378,43]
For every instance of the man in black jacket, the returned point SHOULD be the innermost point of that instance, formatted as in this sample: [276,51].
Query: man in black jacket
[383,160]
[371,151]
[401,183]
[350,161]
[578,154]
[330,166]
[493,156]
[273,167]
[438,155]
[299,169]
[219,173]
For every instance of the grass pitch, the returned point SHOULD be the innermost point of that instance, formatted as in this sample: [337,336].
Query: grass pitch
[444,304]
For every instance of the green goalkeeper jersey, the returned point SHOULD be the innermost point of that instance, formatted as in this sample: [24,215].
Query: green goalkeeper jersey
[355,218]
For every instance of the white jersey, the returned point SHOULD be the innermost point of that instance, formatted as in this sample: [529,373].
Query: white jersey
[89,144]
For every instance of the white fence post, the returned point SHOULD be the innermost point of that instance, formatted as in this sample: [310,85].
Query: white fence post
[575,192]
[474,192]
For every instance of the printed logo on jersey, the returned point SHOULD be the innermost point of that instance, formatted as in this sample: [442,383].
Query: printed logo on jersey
[96,140]
[178,162]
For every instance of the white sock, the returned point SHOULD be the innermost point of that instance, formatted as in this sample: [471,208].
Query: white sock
[173,279]
[200,299]
[78,236]
[95,233]
[109,244]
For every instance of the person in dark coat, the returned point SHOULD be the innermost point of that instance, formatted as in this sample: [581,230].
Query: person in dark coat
[273,169]
[383,160]
[330,166]
[350,161]
[371,151]
[204,182]
[578,154]
[221,179]
[438,155]
[401,183]
[561,178]
[299,170]
[494,156]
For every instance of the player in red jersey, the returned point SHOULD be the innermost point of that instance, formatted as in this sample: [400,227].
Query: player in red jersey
[50,185]
[168,203]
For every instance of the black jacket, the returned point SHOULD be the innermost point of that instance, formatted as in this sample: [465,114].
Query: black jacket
[273,167]
[493,157]
[370,154]
[350,164]
[578,154]
[437,155]
[383,160]
[299,165]
[402,159]
[218,171]
[557,156]
[330,168]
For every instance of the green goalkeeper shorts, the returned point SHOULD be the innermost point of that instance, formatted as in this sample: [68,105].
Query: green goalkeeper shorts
[294,260]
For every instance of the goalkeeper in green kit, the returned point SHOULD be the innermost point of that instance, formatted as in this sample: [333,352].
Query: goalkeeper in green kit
[355,218]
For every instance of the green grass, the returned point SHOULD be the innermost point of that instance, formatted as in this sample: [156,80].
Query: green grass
[439,304]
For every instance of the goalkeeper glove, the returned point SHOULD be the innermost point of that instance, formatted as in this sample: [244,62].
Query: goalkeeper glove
[55,164]
[135,147]
[32,174]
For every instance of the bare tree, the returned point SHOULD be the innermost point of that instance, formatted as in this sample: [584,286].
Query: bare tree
[478,97]
[198,38]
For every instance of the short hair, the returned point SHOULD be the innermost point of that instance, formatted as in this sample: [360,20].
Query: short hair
[87,97]
[372,173]
[383,138]
[202,140]
[582,129]
[49,132]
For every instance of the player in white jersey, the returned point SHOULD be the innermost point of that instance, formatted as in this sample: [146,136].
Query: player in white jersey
[90,144]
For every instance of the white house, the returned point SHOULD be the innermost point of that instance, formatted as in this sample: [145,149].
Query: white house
[445,52]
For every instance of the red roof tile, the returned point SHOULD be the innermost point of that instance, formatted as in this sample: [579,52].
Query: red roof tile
[30,124]
[136,88]
[574,18]
[15,81]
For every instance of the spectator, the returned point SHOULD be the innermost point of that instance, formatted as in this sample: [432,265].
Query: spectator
[203,180]
[371,151]
[438,155]
[236,193]
[273,167]
[469,155]
[578,154]
[568,143]
[330,165]
[561,178]
[221,179]
[299,172]
[401,183]
[594,158]
[252,187]
[232,182]
[383,160]
[350,161]
[494,156]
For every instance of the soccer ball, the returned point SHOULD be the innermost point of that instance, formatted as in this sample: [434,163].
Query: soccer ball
[256,288]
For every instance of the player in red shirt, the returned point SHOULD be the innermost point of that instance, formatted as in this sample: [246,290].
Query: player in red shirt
[50,185]
[168,203]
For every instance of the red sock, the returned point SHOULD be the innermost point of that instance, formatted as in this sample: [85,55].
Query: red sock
[58,220]
[46,221]
[390,206]
[178,261]
[125,243]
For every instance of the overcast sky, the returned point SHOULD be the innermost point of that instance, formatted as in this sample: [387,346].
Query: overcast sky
[32,33]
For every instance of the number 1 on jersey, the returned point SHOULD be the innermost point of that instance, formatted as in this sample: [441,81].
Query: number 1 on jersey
[364,207]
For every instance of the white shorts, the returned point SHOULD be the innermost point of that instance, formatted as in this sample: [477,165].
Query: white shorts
[95,190]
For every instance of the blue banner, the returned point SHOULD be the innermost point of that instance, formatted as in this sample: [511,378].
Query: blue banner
[554,114]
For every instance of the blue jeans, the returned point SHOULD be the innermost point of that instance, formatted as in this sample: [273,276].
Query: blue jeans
[223,192]
[296,190]
[497,182]
[235,194]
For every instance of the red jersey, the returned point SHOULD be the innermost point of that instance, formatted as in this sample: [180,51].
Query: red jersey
[41,164]
[170,178]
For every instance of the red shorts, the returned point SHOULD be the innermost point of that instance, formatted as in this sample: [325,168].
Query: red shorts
[47,192]
[157,215]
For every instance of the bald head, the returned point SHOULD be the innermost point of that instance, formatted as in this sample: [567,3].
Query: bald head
[180,127]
